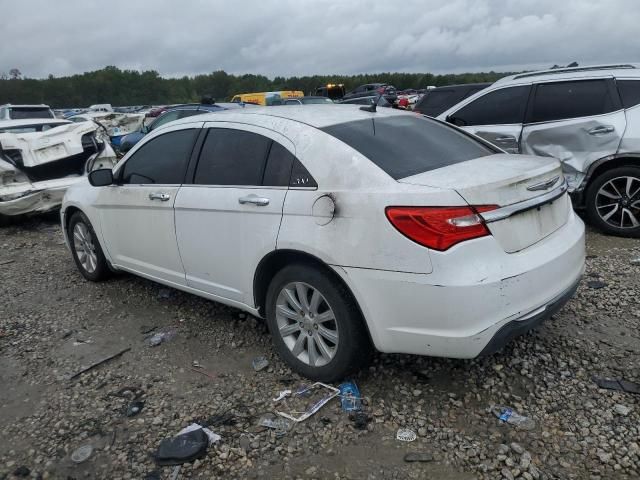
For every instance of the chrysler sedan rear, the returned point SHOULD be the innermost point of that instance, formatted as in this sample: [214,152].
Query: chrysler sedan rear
[344,229]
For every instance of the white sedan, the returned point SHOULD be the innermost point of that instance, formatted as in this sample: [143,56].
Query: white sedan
[345,229]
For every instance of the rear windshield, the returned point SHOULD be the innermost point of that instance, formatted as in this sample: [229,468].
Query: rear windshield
[407,145]
[26,113]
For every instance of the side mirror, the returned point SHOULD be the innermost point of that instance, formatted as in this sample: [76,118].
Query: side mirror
[101,177]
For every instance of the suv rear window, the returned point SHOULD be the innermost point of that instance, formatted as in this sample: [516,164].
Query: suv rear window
[630,92]
[22,113]
[582,98]
[406,145]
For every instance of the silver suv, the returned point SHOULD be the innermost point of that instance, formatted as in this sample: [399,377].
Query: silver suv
[587,117]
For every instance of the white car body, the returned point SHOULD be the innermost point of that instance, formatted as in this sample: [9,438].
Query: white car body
[413,299]
[116,124]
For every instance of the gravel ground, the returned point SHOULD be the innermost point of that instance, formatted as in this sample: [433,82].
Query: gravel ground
[53,322]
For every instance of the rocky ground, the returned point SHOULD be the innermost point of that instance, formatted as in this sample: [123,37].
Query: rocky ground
[53,322]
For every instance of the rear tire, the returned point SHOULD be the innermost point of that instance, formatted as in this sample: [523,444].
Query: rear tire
[613,201]
[86,250]
[315,324]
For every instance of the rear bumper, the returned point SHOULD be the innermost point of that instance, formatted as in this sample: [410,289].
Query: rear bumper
[39,197]
[521,326]
[475,290]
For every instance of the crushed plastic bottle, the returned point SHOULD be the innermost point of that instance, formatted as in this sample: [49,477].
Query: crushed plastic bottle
[510,416]
[160,337]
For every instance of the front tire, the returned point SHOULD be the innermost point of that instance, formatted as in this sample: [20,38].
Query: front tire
[85,249]
[613,201]
[315,323]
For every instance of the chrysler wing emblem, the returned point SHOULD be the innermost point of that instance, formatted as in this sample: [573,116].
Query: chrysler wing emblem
[546,185]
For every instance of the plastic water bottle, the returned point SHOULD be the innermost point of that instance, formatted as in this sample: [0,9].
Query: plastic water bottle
[510,416]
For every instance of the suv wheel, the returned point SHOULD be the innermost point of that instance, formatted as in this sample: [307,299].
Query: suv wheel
[613,201]
[85,248]
[315,324]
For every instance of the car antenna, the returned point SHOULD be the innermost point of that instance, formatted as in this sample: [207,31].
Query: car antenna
[372,108]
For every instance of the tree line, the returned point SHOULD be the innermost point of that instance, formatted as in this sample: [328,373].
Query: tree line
[130,87]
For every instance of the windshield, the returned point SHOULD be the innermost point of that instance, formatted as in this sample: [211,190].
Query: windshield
[30,112]
[407,145]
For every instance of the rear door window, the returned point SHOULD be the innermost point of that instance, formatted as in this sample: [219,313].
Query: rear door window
[561,100]
[629,92]
[232,157]
[406,145]
[500,107]
[162,160]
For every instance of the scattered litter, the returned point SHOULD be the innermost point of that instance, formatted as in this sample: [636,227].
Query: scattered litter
[281,395]
[406,435]
[350,397]
[99,362]
[6,262]
[635,262]
[418,457]
[134,408]
[81,454]
[67,334]
[198,368]
[621,409]
[360,419]
[213,437]
[160,337]
[619,385]
[307,400]
[80,341]
[259,363]
[182,448]
[508,415]
[596,284]
[279,424]
[22,471]
[175,472]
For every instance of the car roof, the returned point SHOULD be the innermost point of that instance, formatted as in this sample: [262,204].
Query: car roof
[318,116]
[32,121]
[461,86]
[570,73]
[10,105]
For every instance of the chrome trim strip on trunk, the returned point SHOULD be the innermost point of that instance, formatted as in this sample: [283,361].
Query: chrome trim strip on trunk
[510,210]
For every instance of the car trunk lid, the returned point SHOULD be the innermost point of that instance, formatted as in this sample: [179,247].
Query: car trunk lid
[530,189]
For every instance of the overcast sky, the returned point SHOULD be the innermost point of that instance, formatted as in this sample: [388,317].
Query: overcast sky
[299,37]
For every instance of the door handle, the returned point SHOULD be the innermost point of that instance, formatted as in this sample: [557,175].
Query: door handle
[602,129]
[255,200]
[163,197]
[506,138]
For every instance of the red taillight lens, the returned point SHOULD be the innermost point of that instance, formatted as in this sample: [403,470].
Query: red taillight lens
[439,228]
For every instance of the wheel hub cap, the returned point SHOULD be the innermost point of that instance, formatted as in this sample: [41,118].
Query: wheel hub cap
[618,202]
[84,247]
[306,323]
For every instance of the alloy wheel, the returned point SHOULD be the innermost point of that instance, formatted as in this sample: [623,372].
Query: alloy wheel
[307,324]
[84,247]
[618,202]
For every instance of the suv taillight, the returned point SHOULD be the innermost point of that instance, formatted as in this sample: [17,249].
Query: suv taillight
[439,228]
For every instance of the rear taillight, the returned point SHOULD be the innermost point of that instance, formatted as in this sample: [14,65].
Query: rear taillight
[439,228]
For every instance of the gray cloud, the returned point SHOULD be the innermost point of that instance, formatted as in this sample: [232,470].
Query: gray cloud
[298,37]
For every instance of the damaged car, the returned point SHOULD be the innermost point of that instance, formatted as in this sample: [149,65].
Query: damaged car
[344,239]
[116,125]
[586,117]
[40,159]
